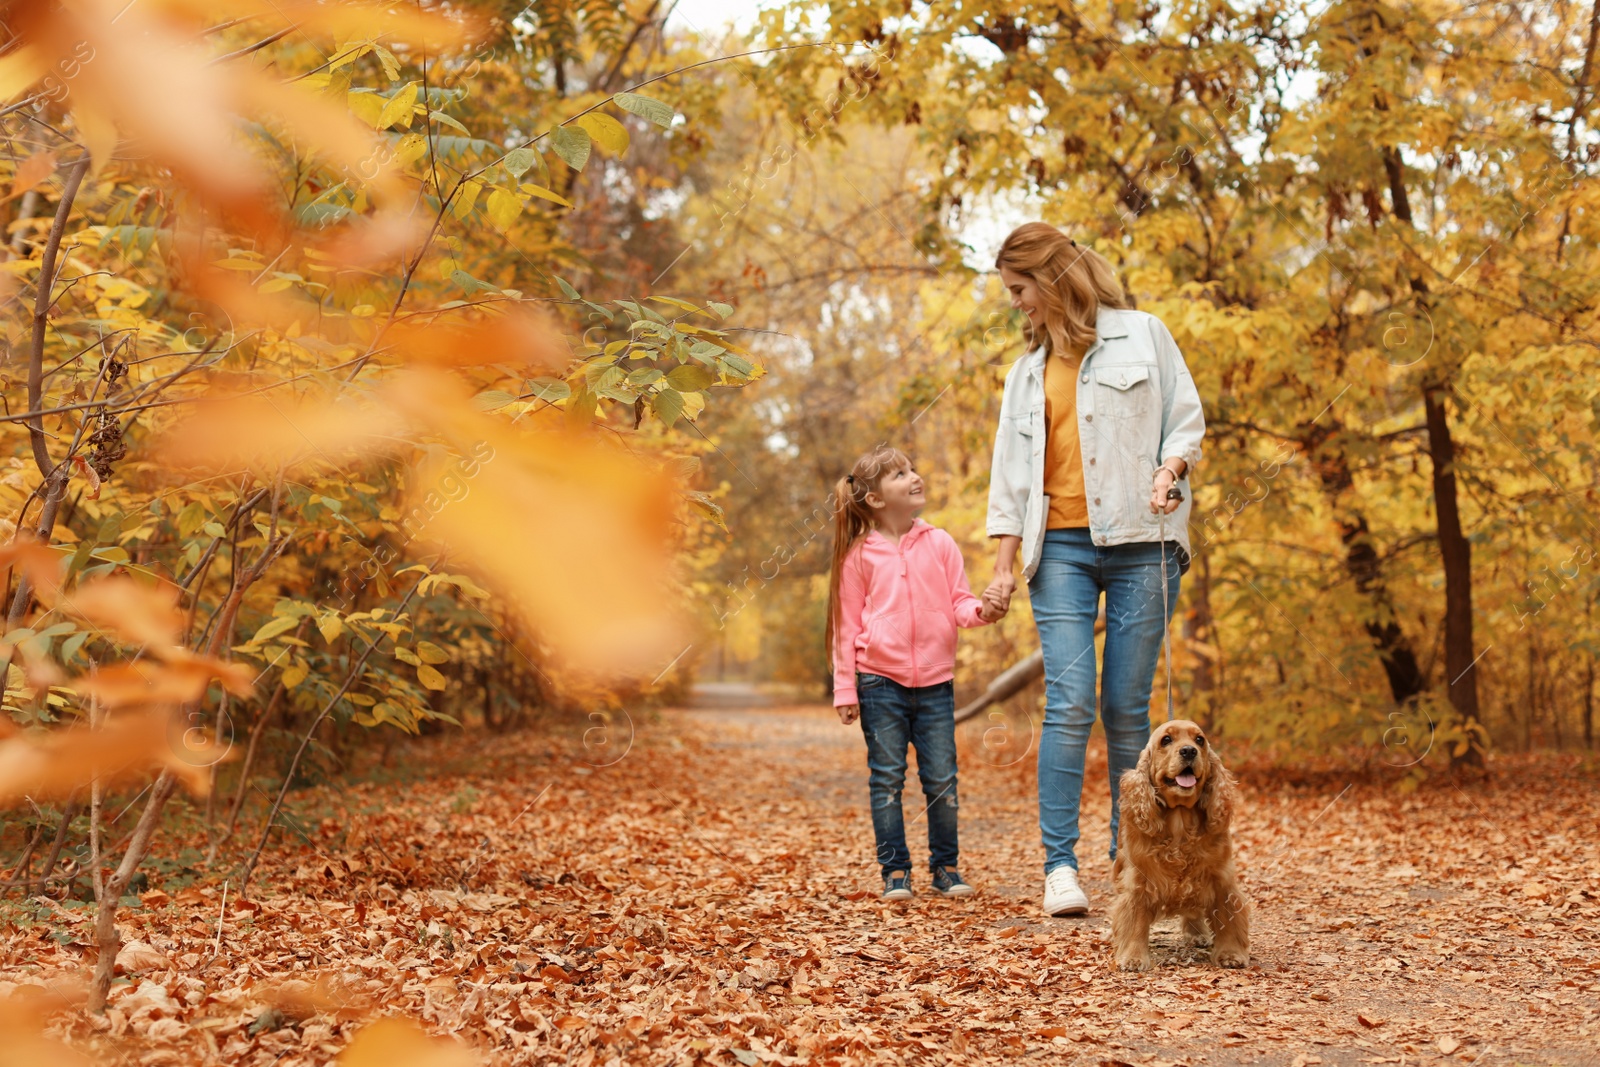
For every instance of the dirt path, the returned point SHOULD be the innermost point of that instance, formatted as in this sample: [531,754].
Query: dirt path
[698,885]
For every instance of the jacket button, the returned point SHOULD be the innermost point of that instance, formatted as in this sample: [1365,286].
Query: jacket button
[1097,500]
[1091,461]
[1088,418]
[1122,381]
[1084,378]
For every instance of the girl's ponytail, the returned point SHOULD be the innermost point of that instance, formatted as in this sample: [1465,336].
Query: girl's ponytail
[852,520]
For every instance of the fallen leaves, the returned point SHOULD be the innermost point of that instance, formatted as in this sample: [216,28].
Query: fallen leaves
[633,913]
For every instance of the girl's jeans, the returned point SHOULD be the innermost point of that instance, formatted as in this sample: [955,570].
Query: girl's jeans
[892,715]
[1065,592]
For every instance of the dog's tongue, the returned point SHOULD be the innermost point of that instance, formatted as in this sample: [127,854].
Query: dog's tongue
[1186,780]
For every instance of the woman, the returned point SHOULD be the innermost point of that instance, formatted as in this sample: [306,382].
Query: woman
[1098,423]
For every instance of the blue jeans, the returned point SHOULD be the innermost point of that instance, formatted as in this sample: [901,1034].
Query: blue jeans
[1065,592]
[925,716]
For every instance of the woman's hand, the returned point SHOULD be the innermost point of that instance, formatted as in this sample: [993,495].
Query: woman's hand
[994,606]
[849,713]
[1165,479]
[998,595]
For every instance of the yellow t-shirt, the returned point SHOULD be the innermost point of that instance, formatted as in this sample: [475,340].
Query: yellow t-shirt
[1063,454]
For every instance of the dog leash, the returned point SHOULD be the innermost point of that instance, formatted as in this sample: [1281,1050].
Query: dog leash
[1173,493]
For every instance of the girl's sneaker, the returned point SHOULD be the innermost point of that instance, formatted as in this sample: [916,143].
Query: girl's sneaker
[947,882]
[897,886]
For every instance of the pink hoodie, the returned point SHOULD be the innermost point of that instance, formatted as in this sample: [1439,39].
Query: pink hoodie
[899,606]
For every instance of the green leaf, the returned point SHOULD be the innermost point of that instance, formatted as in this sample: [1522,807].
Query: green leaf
[566,290]
[690,377]
[649,110]
[737,366]
[518,161]
[549,389]
[440,116]
[471,284]
[493,399]
[722,310]
[668,406]
[571,143]
[70,646]
[606,131]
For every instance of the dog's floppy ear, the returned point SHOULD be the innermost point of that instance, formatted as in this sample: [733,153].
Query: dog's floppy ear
[1138,796]
[1217,798]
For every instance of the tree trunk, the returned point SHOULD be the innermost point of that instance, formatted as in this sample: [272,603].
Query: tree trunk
[1361,563]
[1588,705]
[109,895]
[1459,660]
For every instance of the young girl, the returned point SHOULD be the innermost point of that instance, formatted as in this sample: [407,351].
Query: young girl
[896,595]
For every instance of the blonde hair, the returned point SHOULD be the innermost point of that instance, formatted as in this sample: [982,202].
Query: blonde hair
[1074,282]
[853,519]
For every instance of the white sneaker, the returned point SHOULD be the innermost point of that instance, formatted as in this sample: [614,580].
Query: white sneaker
[1062,895]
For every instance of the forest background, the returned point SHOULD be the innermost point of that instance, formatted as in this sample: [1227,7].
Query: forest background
[374,370]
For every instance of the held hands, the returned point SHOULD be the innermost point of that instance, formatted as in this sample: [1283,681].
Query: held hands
[997,598]
[849,713]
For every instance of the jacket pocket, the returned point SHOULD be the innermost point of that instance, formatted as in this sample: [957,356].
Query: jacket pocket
[887,637]
[936,638]
[1123,390]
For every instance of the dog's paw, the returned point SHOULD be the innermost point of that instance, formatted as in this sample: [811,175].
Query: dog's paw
[1233,958]
[1135,963]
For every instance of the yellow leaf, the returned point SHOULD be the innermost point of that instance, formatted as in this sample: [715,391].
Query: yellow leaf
[430,677]
[545,194]
[295,674]
[503,208]
[238,264]
[331,626]
[465,198]
[606,132]
[399,107]
[412,147]
[99,135]
[276,285]
[368,107]
[19,70]
[432,653]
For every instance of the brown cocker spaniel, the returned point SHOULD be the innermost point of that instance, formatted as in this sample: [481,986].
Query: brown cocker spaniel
[1174,854]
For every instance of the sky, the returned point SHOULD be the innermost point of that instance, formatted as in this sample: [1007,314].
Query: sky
[710,17]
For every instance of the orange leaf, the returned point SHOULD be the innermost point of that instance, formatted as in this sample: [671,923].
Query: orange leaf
[31,171]
[263,435]
[400,1043]
[149,682]
[64,760]
[140,614]
[42,565]
[572,531]
[519,336]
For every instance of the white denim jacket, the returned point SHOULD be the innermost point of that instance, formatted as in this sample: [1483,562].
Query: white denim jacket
[1137,408]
